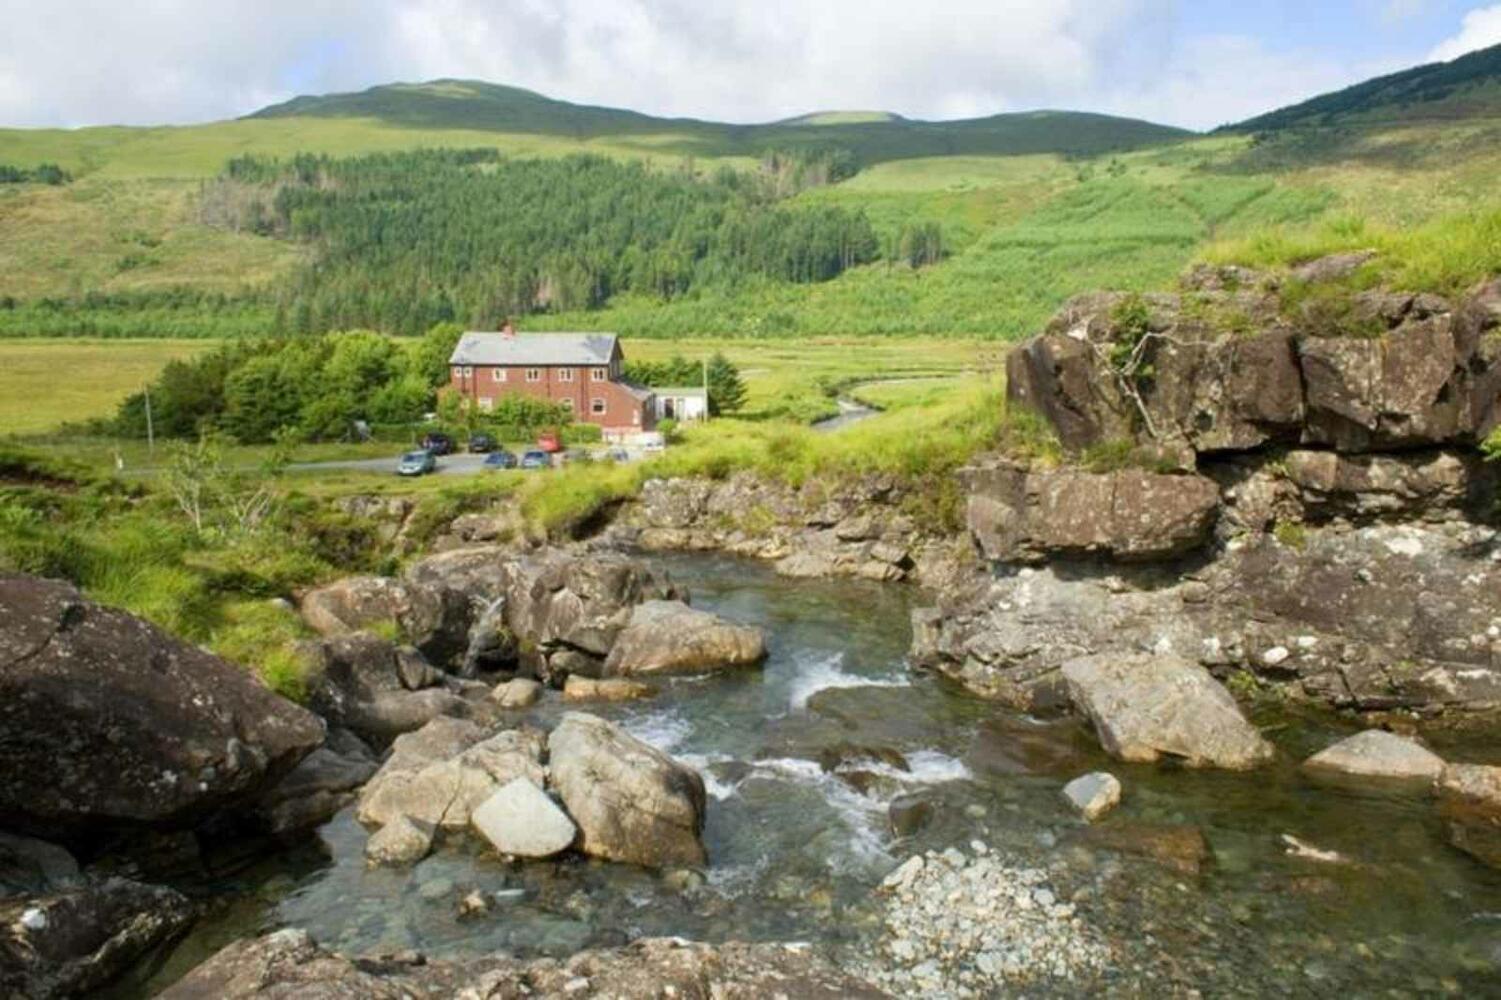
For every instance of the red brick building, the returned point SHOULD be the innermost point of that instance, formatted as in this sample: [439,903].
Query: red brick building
[581,371]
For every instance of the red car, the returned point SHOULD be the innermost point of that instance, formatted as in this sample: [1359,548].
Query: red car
[548,441]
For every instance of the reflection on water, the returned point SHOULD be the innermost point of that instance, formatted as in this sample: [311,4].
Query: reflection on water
[801,760]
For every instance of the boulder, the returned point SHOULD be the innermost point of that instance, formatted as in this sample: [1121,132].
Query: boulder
[669,637]
[1376,753]
[375,687]
[909,814]
[1093,795]
[441,790]
[75,941]
[568,608]
[1144,707]
[519,819]
[1469,800]
[435,619]
[111,724]
[578,688]
[1017,515]
[1333,267]
[324,782]
[402,841]
[520,692]
[631,802]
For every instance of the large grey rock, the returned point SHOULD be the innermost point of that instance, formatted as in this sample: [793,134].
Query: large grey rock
[1017,515]
[520,819]
[75,941]
[29,866]
[608,689]
[519,692]
[443,791]
[111,724]
[669,637]
[1376,753]
[631,802]
[1145,707]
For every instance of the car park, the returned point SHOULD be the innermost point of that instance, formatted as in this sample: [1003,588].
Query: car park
[536,460]
[480,442]
[500,459]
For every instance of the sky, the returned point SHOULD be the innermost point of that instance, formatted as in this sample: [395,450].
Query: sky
[1195,63]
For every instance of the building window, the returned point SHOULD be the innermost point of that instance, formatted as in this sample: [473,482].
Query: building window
[468,371]
[458,371]
[498,374]
[597,406]
[534,374]
[600,374]
[565,374]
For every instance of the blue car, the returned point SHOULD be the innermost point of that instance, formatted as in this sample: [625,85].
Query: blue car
[501,459]
[416,463]
[536,460]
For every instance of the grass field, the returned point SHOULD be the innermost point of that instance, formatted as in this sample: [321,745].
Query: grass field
[51,382]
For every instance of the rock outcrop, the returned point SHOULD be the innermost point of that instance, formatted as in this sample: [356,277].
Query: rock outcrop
[631,802]
[324,782]
[289,964]
[1147,707]
[111,724]
[668,637]
[377,688]
[1021,516]
[1393,371]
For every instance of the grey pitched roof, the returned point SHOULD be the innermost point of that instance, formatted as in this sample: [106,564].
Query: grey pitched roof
[685,390]
[534,349]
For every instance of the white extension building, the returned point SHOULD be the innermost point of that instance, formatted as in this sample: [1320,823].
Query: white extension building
[684,405]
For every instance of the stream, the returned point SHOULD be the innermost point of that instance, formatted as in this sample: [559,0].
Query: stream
[801,760]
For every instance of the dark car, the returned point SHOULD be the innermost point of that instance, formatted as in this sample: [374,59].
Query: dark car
[436,444]
[535,460]
[416,463]
[500,459]
[481,442]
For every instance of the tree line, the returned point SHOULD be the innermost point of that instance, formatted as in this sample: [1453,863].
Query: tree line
[319,387]
[402,241]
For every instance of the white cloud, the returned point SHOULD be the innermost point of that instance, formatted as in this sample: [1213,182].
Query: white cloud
[74,62]
[1481,29]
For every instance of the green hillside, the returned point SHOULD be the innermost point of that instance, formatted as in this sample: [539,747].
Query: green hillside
[1461,90]
[975,228]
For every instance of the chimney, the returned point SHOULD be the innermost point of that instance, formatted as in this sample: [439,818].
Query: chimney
[508,330]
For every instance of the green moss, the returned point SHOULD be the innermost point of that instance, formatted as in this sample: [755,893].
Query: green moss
[1292,534]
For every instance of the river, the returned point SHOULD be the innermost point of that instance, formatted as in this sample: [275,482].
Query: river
[802,758]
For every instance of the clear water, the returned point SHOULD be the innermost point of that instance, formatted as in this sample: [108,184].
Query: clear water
[801,761]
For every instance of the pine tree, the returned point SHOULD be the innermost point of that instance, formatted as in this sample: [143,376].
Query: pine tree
[726,390]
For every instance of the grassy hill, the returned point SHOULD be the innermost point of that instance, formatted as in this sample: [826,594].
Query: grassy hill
[1032,207]
[1463,89]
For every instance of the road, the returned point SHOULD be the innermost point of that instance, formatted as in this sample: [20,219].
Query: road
[458,464]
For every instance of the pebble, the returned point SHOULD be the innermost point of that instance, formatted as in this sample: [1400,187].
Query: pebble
[34,919]
[962,927]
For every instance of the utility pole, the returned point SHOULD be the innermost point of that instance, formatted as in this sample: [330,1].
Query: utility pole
[150,431]
[705,365]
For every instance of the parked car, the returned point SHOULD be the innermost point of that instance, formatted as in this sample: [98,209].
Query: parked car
[536,460]
[500,459]
[481,442]
[436,444]
[618,455]
[548,441]
[416,463]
